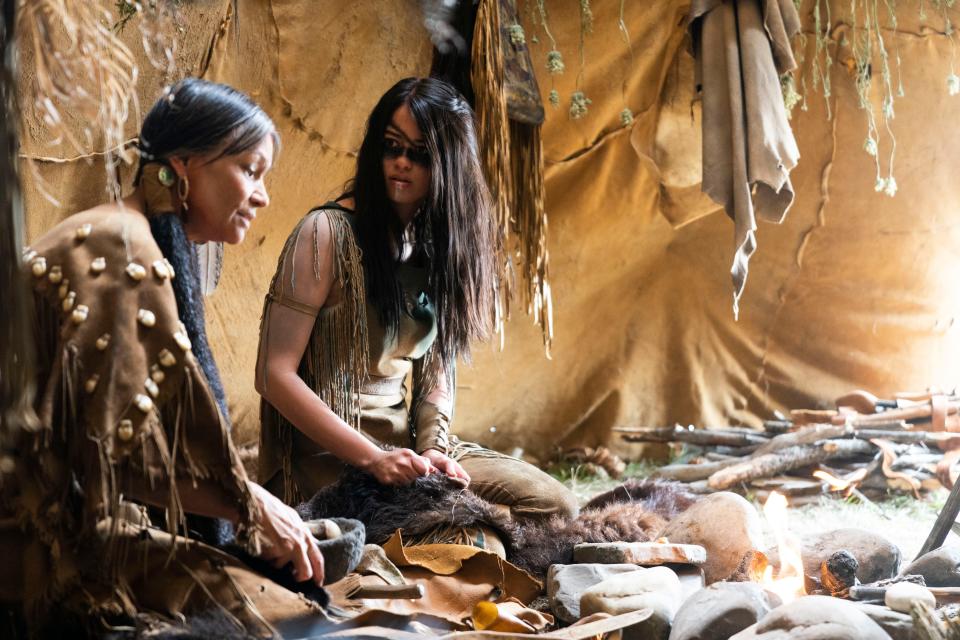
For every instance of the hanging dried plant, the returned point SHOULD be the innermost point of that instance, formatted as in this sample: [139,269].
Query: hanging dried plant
[869,59]
[626,115]
[578,100]
[554,58]
[157,25]
[83,68]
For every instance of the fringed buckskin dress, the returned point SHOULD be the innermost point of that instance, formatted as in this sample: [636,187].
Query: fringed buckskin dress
[359,369]
[125,402]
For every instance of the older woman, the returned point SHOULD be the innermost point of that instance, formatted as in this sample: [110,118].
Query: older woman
[129,398]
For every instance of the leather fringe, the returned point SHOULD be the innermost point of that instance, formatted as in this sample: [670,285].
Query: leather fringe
[335,363]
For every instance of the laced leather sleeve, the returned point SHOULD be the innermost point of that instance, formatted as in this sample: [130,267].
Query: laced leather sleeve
[433,389]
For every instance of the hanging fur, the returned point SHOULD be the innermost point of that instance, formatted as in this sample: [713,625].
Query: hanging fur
[530,224]
[439,503]
[486,75]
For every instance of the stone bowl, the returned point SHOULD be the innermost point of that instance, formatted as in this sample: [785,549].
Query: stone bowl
[342,554]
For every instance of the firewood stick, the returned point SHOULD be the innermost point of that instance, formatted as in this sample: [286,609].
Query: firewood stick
[924,437]
[807,434]
[776,427]
[907,413]
[762,465]
[693,436]
[693,472]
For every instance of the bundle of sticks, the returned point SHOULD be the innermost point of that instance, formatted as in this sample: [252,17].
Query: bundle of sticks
[867,448]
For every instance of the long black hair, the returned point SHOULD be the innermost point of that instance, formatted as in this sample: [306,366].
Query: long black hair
[454,231]
[197,117]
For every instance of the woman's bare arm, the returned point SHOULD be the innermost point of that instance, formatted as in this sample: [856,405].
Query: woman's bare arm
[282,349]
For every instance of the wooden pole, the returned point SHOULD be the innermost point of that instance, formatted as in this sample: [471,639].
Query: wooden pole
[948,516]
[16,343]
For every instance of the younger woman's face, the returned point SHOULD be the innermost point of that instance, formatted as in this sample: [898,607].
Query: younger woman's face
[225,194]
[406,162]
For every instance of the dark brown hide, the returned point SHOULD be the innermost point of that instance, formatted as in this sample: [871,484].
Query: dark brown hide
[636,512]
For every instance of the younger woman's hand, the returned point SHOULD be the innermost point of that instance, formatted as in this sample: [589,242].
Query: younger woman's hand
[287,538]
[398,466]
[447,465]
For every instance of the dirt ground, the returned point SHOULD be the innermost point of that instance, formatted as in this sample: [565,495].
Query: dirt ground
[902,519]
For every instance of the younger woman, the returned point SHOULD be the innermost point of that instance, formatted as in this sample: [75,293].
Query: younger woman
[395,276]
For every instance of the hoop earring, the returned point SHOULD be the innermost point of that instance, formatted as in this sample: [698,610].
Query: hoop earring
[183,190]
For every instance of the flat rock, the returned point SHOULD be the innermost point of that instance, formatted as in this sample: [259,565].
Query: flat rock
[721,610]
[639,553]
[815,618]
[656,588]
[879,559]
[724,524]
[898,626]
[566,583]
[901,596]
[691,578]
[939,568]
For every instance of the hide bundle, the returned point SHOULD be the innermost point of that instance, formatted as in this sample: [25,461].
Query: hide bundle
[437,502]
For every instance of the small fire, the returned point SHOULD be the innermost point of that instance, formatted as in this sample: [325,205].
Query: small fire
[789,581]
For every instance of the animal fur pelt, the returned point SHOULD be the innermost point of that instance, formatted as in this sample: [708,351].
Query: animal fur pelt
[663,497]
[437,502]
[209,625]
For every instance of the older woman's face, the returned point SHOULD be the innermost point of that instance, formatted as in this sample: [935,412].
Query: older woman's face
[406,162]
[225,194]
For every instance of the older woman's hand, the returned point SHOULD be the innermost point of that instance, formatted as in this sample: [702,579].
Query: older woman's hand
[287,538]
[398,466]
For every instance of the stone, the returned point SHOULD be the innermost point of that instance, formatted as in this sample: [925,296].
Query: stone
[878,558]
[815,618]
[939,568]
[98,265]
[156,374]
[151,388]
[902,595]
[69,301]
[656,588]
[691,578]
[721,610]
[639,553]
[103,342]
[567,582]
[56,274]
[898,626]
[83,231]
[724,524]
[91,384]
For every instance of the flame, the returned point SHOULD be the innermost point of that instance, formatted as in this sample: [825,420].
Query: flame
[788,583]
